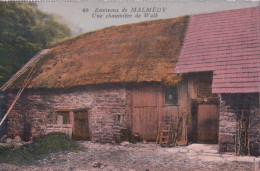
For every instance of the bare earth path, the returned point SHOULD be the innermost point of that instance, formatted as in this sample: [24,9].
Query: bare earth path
[141,157]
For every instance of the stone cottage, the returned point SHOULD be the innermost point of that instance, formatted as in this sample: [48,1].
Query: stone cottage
[104,85]
[188,79]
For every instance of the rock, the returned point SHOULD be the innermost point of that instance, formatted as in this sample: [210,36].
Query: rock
[18,143]
[97,165]
[2,144]
[3,138]
[17,139]
[124,143]
[8,140]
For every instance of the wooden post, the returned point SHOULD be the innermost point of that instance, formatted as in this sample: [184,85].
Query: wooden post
[248,138]
[71,113]
[71,116]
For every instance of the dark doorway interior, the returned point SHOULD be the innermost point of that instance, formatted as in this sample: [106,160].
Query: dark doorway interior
[27,132]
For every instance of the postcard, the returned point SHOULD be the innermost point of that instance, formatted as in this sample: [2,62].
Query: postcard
[129,85]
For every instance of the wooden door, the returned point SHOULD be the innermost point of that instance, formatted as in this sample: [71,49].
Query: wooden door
[207,123]
[145,122]
[80,127]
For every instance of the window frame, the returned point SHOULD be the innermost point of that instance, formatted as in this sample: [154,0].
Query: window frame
[167,92]
[59,112]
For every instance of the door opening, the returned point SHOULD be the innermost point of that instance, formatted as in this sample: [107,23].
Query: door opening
[81,126]
[207,123]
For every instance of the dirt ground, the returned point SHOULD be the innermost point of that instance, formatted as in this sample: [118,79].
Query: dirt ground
[139,157]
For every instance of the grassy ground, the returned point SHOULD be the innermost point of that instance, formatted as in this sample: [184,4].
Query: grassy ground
[42,146]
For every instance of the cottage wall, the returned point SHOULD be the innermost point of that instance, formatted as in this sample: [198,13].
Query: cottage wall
[231,106]
[36,107]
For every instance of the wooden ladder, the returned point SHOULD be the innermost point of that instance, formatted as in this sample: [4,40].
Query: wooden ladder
[164,133]
[169,134]
[164,137]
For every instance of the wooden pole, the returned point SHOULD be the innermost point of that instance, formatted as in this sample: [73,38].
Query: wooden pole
[236,137]
[159,119]
[19,93]
[248,138]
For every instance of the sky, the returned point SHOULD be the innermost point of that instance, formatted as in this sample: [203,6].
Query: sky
[85,15]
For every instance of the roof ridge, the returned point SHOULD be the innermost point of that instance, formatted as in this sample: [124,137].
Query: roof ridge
[229,10]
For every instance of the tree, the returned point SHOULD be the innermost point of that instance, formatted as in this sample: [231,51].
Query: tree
[24,30]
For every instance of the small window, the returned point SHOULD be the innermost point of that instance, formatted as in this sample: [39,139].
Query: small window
[118,119]
[204,89]
[171,95]
[62,117]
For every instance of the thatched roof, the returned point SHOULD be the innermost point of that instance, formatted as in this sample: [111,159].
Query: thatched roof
[142,52]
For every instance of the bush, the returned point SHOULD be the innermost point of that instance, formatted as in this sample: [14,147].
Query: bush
[42,146]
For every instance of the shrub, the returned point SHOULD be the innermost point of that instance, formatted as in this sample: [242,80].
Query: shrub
[42,146]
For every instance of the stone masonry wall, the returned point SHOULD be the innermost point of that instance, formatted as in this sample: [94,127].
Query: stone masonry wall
[108,115]
[105,106]
[230,107]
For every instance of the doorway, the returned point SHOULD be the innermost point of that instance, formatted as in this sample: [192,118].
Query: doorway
[81,126]
[207,123]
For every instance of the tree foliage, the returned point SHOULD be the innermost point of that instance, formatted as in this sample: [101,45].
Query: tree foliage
[24,30]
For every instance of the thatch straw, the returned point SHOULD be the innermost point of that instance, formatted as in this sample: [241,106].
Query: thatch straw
[142,52]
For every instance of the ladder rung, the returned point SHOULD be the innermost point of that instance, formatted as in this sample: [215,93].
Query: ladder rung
[165,141]
[164,136]
[165,133]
